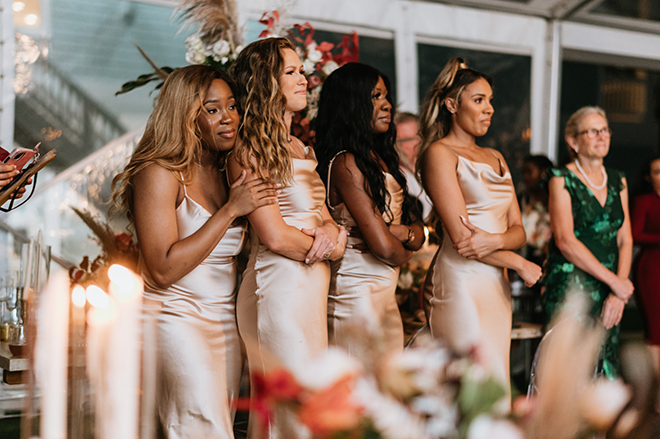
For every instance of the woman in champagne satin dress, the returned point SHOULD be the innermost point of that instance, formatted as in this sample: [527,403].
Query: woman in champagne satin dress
[467,296]
[367,194]
[281,306]
[187,220]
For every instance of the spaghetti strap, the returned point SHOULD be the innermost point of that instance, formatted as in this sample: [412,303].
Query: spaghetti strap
[327,188]
[185,191]
[453,152]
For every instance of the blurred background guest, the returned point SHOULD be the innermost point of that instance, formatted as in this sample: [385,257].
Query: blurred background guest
[591,249]
[533,201]
[408,142]
[646,233]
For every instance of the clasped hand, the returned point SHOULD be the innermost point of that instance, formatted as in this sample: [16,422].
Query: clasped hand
[478,245]
[612,311]
[329,242]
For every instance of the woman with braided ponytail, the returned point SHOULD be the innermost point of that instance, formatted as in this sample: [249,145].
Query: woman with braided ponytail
[467,295]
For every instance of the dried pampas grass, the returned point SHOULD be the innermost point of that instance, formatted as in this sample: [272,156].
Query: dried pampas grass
[217,19]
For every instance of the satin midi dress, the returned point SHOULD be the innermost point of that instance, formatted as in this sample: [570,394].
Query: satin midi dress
[282,303]
[362,287]
[199,360]
[468,302]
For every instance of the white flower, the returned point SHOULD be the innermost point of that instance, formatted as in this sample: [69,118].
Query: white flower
[314,55]
[309,66]
[221,48]
[485,427]
[195,57]
[195,50]
[237,50]
[602,402]
[406,280]
[390,418]
[328,368]
[330,67]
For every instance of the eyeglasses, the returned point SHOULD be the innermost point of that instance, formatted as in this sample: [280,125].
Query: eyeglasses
[592,133]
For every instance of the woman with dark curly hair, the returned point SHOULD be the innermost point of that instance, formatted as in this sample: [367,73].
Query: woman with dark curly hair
[355,146]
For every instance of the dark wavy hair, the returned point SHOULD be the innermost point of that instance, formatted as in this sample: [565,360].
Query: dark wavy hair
[344,123]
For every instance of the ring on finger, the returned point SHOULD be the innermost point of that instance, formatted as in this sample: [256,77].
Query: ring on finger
[326,255]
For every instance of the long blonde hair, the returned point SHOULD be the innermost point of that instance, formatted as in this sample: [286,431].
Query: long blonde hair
[172,138]
[435,119]
[263,134]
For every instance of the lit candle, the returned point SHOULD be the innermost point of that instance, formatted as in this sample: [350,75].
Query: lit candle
[51,354]
[78,299]
[115,343]
[100,320]
[126,289]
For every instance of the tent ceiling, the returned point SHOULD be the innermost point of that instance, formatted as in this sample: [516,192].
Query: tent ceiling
[640,15]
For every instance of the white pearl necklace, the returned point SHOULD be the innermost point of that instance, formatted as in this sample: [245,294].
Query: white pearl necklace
[589,182]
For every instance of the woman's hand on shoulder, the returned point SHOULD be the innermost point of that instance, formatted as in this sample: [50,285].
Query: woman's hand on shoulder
[245,197]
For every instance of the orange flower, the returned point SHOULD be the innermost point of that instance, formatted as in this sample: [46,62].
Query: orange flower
[269,390]
[124,241]
[331,410]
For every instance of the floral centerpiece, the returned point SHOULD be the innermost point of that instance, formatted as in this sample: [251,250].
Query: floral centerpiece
[431,392]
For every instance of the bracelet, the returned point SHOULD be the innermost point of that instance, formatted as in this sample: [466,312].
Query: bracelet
[411,236]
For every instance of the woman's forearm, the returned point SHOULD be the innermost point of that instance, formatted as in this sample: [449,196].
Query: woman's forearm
[625,260]
[513,238]
[504,259]
[579,255]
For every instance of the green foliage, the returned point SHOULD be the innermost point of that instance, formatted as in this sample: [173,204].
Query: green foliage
[143,80]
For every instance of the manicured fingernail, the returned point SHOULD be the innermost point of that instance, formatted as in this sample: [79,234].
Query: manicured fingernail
[306,261]
[279,191]
[461,217]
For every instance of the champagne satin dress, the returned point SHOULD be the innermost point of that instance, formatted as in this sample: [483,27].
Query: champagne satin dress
[362,288]
[282,303]
[199,360]
[468,302]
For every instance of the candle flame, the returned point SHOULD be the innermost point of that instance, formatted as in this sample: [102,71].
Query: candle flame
[97,297]
[78,296]
[129,285]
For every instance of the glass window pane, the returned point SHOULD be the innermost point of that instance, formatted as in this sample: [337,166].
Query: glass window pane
[376,52]
[630,99]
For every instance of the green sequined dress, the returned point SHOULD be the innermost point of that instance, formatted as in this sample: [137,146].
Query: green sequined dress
[596,227]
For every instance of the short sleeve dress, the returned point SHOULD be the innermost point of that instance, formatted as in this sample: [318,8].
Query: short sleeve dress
[596,226]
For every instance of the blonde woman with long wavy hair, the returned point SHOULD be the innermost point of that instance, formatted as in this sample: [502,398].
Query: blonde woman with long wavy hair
[467,295]
[187,220]
[281,306]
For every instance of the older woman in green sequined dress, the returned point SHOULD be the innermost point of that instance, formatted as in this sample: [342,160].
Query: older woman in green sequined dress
[591,249]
